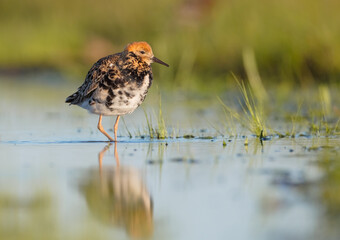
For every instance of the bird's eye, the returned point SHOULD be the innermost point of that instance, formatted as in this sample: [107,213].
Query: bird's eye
[142,52]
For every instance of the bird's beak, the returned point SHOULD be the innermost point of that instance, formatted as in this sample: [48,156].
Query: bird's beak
[154,59]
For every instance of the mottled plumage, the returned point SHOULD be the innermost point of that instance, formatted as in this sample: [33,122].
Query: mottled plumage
[117,84]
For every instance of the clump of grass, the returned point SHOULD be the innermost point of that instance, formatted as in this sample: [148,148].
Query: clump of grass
[253,75]
[149,124]
[325,100]
[323,122]
[126,128]
[246,142]
[158,131]
[252,116]
[188,136]
[161,131]
[322,127]
[229,123]
[294,119]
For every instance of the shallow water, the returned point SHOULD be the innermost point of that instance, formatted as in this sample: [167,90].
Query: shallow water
[59,178]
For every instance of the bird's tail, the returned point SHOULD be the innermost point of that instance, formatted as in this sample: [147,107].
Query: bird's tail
[73,99]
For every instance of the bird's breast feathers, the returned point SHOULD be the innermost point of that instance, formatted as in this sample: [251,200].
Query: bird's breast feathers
[119,97]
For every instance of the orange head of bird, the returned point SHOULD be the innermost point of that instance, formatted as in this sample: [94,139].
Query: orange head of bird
[144,51]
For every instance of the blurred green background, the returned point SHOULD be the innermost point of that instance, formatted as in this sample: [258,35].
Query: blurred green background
[202,40]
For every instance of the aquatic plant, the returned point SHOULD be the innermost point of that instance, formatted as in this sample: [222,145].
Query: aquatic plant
[161,130]
[322,121]
[252,116]
[253,75]
[325,100]
[246,142]
[294,120]
[126,128]
[149,124]
[158,131]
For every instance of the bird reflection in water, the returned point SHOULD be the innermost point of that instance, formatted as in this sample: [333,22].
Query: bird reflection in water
[117,196]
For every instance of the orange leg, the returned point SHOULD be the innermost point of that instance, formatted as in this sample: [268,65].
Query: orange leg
[100,128]
[116,127]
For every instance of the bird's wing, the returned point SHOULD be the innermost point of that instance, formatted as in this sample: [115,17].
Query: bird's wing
[97,75]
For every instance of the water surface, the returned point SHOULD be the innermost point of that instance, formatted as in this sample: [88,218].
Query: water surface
[59,178]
